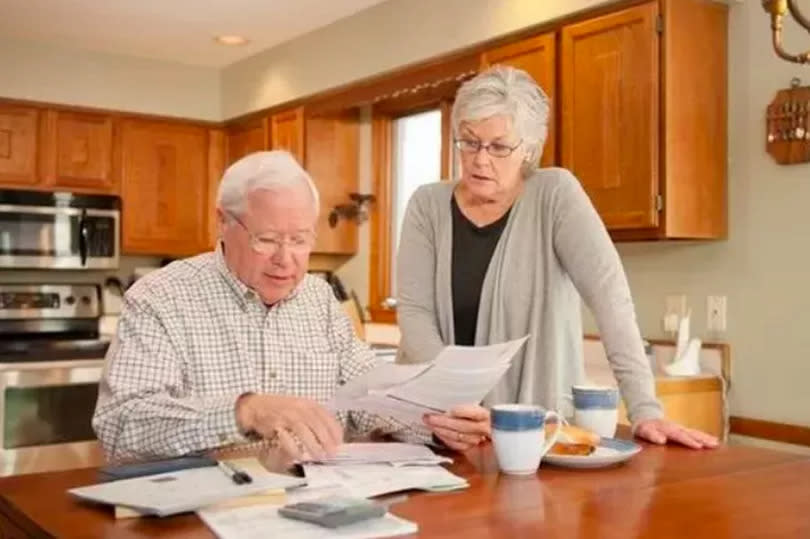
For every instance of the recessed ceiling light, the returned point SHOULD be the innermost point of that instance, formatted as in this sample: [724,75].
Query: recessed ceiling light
[232,40]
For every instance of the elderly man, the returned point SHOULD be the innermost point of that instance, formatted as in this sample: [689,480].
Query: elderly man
[241,343]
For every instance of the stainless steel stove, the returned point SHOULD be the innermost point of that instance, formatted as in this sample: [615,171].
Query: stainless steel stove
[51,359]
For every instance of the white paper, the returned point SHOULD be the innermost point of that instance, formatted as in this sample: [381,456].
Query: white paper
[263,521]
[683,336]
[184,490]
[687,353]
[369,480]
[688,363]
[386,452]
[383,376]
[459,375]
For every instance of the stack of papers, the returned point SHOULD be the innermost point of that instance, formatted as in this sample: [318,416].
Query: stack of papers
[260,522]
[395,454]
[369,480]
[459,375]
[181,491]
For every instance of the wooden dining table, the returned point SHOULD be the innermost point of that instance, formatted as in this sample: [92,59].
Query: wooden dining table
[664,491]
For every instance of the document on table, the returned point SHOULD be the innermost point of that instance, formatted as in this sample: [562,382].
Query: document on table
[260,522]
[392,453]
[369,480]
[459,375]
[181,491]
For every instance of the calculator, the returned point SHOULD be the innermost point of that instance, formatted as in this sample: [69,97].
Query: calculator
[333,511]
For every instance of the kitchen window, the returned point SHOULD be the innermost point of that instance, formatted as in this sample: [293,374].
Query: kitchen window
[412,146]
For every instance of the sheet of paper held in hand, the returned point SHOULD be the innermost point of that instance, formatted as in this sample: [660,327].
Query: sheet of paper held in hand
[459,375]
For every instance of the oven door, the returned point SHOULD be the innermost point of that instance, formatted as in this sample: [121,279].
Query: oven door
[46,409]
[58,237]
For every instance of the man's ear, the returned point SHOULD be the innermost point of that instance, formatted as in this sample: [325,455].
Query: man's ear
[222,222]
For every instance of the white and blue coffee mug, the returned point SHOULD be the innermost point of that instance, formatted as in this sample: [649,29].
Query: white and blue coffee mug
[596,409]
[519,436]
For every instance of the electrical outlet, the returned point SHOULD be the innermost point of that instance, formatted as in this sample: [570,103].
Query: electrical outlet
[675,310]
[716,314]
[671,323]
[676,304]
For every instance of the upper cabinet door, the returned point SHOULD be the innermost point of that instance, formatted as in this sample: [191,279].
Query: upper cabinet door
[610,113]
[78,152]
[18,146]
[164,187]
[332,161]
[247,138]
[536,56]
[287,132]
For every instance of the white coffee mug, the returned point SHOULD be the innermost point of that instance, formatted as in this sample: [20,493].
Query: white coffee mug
[519,436]
[596,409]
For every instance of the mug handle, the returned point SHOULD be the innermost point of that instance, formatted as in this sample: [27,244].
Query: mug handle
[556,433]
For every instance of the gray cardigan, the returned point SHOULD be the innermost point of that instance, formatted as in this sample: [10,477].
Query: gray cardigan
[554,245]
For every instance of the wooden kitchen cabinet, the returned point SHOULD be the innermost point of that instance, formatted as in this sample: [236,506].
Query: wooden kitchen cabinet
[19,142]
[164,188]
[694,402]
[643,106]
[217,153]
[610,77]
[332,161]
[78,152]
[536,56]
[247,137]
[287,132]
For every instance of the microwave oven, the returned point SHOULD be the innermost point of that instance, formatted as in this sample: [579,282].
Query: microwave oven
[59,230]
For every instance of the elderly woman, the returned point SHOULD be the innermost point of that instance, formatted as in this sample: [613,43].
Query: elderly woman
[507,251]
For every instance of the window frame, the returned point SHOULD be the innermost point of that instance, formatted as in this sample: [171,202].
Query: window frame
[380,256]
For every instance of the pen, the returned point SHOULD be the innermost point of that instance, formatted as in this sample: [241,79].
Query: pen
[237,476]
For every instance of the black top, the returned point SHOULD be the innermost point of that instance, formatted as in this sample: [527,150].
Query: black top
[472,250]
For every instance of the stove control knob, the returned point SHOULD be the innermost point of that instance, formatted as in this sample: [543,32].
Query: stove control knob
[70,300]
[85,300]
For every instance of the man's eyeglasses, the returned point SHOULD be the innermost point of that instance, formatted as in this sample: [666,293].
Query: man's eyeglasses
[495,149]
[269,243]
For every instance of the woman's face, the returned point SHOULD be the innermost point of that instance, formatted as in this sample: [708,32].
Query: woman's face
[482,174]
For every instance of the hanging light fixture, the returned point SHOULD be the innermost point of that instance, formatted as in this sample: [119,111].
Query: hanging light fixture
[778,10]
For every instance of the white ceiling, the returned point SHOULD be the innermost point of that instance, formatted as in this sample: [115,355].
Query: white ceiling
[173,30]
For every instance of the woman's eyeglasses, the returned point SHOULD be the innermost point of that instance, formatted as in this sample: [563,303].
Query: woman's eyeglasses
[495,149]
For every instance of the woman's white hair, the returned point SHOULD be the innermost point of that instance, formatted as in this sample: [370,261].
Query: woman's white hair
[261,170]
[508,91]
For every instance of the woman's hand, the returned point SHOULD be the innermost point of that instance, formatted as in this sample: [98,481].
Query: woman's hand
[661,431]
[462,428]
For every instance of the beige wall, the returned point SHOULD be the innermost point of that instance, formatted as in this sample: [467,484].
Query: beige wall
[384,37]
[762,268]
[42,72]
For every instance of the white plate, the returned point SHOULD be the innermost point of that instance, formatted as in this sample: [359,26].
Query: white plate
[610,451]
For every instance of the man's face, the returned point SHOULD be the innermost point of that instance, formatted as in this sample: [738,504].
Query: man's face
[268,246]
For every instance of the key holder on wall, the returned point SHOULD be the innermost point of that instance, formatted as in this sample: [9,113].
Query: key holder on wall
[357,209]
[788,125]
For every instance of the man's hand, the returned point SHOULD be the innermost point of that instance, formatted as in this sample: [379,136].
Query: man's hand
[275,415]
[661,431]
[462,428]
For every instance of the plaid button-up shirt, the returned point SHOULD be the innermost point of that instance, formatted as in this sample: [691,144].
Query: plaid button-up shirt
[192,338]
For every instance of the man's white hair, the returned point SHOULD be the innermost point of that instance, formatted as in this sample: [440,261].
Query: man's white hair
[261,170]
[508,91]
